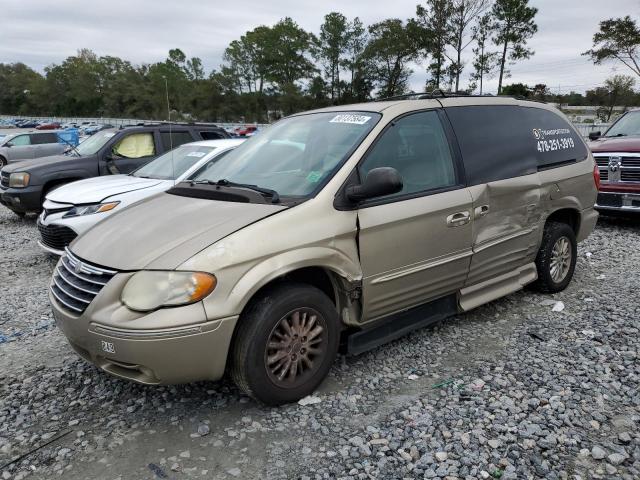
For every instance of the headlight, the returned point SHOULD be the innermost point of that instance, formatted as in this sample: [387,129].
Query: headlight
[89,209]
[19,180]
[150,290]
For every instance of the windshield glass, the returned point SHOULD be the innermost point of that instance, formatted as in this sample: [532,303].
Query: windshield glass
[628,124]
[296,155]
[173,164]
[94,143]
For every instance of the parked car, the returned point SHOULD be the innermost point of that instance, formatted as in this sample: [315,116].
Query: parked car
[617,154]
[23,146]
[72,209]
[91,129]
[23,186]
[343,226]
[27,124]
[246,131]
[48,126]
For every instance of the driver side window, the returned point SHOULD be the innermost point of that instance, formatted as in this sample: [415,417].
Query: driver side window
[20,141]
[136,145]
[417,147]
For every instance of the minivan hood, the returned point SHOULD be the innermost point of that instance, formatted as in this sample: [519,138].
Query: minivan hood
[97,189]
[164,231]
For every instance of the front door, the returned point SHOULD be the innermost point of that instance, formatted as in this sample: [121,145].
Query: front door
[415,245]
[131,152]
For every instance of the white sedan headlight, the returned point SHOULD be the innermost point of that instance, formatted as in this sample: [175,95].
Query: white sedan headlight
[89,209]
[150,290]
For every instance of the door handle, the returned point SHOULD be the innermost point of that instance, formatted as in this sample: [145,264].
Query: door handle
[481,211]
[458,219]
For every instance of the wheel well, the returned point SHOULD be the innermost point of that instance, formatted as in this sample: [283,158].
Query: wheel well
[314,276]
[569,216]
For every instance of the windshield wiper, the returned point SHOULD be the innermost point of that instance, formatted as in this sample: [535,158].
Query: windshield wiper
[275,197]
[616,135]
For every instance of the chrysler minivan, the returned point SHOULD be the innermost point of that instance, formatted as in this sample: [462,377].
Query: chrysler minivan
[344,227]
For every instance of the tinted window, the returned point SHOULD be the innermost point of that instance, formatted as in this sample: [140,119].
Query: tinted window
[556,142]
[496,142]
[416,146]
[210,135]
[20,140]
[43,138]
[177,139]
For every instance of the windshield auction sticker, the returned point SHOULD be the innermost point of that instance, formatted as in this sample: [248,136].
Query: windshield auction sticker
[350,118]
[553,140]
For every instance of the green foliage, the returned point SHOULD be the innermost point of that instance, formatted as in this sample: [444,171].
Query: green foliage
[618,39]
[513,25]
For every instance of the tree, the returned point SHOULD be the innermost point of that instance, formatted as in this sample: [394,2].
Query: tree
[361,84]
[332,45]
[485,63]
[618,39]
[432,32]
[620,88]
[513,25]
[391,47]
[517,90]
[464,12]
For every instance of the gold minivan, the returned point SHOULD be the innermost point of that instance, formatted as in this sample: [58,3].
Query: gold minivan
[344,227]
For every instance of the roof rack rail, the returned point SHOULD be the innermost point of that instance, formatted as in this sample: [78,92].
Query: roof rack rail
[435,93]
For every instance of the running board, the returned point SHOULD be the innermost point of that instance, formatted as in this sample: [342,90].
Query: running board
[399,324]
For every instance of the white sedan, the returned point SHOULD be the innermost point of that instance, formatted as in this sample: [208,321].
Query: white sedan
[73,208]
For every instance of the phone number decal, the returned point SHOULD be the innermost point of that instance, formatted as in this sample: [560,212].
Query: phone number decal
[555,144]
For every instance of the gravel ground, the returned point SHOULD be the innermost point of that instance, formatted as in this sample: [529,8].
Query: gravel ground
[510,390]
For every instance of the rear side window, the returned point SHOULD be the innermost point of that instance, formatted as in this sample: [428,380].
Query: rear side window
[43,138]
[208,135]
[556,142]
[496,142]
[176,139]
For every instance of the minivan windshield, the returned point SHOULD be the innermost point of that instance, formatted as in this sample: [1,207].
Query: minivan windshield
[627,125]
[294,156]
[94,143]
[174,163]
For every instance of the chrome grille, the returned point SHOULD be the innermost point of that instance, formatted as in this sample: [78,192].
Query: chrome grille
[75,283]
[4,179]
[619,167]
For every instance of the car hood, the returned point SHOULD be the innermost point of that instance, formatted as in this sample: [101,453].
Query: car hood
[615,144]
[31,163]
[164,231]
[97,189]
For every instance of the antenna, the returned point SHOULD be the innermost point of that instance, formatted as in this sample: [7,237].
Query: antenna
[173,169]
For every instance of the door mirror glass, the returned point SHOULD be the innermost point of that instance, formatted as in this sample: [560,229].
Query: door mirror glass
[595,135]
[379,182]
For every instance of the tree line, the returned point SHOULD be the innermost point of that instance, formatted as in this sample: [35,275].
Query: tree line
[276,70]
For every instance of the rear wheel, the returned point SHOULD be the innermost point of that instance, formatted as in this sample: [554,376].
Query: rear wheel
[556,260]
[285,343]
[3,162]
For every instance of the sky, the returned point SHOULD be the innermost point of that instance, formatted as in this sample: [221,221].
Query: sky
[41,32]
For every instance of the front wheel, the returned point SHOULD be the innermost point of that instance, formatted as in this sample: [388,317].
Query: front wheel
[3,162]
[285,343]
[556,260]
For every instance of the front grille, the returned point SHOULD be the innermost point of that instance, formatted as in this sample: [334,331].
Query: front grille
[4,179]
[56,236]
[75,283]
[618,167]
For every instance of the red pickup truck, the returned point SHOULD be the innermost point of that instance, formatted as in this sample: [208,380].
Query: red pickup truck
[617,154]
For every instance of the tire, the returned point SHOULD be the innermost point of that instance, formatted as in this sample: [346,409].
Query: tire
[3,162]
[562,238]
[20,214]
[263,324]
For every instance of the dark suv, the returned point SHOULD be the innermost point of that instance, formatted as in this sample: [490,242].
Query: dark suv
[24,185]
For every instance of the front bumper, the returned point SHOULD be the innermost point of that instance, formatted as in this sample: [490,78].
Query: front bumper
[22,200]
[627,202]
[139,347]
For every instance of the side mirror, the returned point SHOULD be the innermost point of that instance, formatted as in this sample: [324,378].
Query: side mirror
[595,135]
[8,144]
[379,182]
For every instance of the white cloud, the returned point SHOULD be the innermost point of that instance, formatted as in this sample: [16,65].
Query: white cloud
[41,32]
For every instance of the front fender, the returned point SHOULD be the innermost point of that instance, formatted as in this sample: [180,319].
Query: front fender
[276,266]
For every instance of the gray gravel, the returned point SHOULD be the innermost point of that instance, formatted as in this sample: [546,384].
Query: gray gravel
[510,390]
